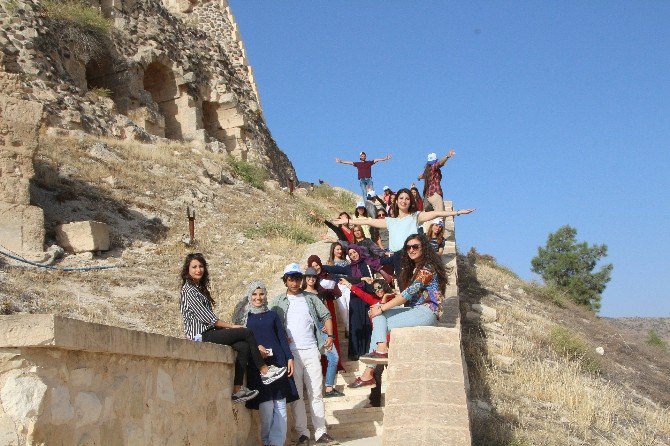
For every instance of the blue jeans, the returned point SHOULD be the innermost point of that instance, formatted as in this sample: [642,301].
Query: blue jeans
[273,422]
[398,317]
[333,358]
[365,183]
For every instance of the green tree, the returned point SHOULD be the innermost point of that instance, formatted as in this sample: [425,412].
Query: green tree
[568,265]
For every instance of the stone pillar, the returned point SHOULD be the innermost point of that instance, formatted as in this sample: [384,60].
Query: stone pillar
[21,225]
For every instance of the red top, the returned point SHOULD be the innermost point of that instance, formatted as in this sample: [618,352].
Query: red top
[366,297]
[364,169]
[434,178]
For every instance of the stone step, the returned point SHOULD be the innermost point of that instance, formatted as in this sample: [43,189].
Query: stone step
[347,402]
[361,429]
[348,416]
[357,391]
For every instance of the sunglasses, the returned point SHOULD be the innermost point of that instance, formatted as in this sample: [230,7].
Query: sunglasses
[415,247]
[378,287]
[381,215]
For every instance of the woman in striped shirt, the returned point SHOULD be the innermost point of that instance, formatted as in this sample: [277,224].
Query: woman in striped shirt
[201,324]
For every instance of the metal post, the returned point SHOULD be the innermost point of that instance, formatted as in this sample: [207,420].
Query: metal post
[190,213]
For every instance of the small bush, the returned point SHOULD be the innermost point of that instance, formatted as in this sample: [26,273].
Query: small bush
[547,293]
[272,229]
[343,201]
[101,92]
[77,26]
[572,346]
[248,172]
[655,340]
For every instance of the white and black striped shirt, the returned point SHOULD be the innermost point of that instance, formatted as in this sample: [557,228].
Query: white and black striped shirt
[196,311]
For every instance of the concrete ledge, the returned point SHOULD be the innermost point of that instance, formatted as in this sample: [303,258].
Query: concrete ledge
[47,330]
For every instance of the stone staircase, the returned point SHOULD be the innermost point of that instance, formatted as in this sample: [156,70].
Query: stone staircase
[440,389]
[347,417]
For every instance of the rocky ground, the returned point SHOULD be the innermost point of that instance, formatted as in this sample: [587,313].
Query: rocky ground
[141,192]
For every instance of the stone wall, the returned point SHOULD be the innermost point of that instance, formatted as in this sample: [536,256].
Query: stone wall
[173,69]
[426,402]
[68,382]
[21,225]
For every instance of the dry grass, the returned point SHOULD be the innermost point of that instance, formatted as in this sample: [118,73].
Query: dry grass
[550,395]
[136,184]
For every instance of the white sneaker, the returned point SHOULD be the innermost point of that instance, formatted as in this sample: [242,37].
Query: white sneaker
[244,394]
[273,374]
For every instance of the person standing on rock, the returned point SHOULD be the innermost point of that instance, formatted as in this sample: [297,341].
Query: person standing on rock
[432,176]
[364,168]
[201,324]
[302,314]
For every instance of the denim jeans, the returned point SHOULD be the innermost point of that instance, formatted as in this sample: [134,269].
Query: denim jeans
[398,317]
[273,422]
[365,183]
[333,357]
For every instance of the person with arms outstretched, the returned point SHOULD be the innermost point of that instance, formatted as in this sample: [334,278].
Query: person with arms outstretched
[364,170]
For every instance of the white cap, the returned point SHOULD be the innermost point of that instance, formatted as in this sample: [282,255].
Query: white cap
[360,204]
[371,193]
[292,268]
[386,188]
[432,157]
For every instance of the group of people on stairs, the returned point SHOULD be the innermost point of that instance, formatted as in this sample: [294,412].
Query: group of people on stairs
[383,272]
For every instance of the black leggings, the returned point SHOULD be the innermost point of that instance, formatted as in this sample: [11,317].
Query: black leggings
[242,340]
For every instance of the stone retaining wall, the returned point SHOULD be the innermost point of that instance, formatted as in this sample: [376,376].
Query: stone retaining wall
[68,382]
[426,402]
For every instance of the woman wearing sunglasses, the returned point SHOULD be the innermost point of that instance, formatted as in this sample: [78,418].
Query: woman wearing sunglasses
[405,222]
[423,280]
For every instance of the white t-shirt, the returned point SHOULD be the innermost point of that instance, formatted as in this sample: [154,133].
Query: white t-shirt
[299,324]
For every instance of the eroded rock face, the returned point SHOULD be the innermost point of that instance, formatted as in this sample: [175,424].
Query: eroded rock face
[170,69]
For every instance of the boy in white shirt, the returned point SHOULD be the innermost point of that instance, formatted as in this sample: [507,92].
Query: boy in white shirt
[302,314]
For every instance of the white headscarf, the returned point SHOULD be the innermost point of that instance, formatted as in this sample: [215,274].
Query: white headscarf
[244,306]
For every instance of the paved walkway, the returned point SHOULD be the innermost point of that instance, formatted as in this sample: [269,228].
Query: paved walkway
[370,441]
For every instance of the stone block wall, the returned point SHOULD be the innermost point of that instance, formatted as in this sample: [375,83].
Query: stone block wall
[67,382]
[21,225]
[426,401]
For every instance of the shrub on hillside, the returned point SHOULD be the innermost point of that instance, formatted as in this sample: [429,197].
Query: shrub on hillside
[272,229]
[547,293]
[566,343]
[655,340]
[344,201]
[76,26]
[250,173]
[568,265]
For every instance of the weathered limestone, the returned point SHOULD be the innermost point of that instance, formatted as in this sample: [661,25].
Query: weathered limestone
[64,381]
[173,69]
[82,236]
[21,225]
[426,401]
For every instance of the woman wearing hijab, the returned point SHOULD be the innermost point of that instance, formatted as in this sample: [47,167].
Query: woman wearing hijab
[253,312]
[360,327]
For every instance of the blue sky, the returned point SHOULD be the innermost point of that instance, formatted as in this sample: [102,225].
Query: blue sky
[559,113]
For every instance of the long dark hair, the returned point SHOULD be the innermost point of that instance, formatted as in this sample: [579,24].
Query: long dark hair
[331,257]
[429,259]
[203,286]
[412,203]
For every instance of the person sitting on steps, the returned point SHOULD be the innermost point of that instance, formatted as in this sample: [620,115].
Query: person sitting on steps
[423,279]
